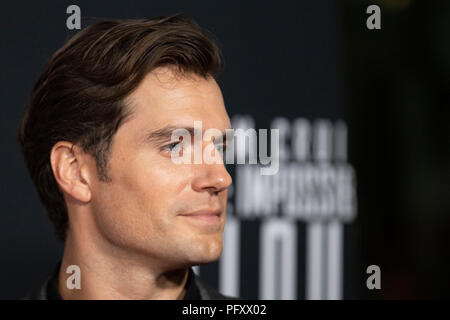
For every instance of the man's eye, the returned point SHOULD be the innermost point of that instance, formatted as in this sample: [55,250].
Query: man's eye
[172,146]
[220,147]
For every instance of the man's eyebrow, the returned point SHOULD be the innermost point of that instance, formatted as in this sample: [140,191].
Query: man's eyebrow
[165,133]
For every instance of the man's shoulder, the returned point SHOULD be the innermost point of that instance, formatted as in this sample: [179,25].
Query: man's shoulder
[209,293]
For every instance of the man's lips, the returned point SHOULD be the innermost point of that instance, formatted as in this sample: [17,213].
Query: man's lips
[208,216]
[203,212]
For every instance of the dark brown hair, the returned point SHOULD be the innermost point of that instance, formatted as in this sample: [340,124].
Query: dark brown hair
[79,97]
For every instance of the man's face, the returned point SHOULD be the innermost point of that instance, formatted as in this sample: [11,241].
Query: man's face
[144,208]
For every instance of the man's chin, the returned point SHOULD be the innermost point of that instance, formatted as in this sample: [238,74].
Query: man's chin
[206,252]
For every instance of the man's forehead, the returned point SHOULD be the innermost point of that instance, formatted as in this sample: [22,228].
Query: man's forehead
[164,83]
[155,108]
[183,116]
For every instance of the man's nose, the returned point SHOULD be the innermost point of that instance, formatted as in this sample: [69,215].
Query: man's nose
[211,177]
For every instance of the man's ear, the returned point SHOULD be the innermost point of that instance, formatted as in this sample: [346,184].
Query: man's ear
[71,171]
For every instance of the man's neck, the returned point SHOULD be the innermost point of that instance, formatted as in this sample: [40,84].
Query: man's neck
[112,273]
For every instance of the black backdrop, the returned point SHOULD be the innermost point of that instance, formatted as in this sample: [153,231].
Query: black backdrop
[288,59]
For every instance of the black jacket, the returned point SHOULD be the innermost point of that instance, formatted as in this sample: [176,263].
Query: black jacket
[196,289]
